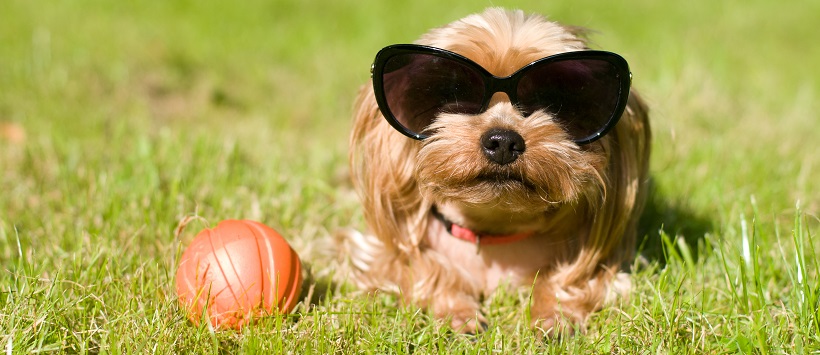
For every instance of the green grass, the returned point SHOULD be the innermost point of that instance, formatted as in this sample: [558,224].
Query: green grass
[138,114]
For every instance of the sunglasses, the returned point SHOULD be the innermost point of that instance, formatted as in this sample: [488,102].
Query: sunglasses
[584,91]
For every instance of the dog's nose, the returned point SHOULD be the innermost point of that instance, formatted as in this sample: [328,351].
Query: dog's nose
[502,146]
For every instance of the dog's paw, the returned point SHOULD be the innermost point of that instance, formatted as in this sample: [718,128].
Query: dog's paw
[556,326]
[462,312]
[473,323]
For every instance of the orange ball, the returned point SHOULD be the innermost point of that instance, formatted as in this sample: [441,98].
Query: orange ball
[238,270]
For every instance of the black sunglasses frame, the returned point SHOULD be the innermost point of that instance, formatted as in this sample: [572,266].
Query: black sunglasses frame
[494,84]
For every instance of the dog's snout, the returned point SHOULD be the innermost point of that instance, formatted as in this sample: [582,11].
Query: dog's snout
[502,146]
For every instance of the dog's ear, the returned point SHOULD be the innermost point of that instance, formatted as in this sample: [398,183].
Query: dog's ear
[383,171]
[613,225]
[628,171]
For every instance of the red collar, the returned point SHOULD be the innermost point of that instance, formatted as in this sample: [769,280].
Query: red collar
[478,238]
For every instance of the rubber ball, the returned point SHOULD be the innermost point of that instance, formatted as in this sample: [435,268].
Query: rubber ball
[236,272]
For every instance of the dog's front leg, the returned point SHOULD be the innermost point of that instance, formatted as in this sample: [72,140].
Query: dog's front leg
[435,282]
[560,307]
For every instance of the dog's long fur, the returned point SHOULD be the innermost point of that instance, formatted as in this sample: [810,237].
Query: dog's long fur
[582,201]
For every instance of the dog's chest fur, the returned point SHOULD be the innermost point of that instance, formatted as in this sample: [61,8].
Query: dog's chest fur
[491,266]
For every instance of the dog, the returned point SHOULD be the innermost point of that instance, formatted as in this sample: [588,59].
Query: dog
[498,150]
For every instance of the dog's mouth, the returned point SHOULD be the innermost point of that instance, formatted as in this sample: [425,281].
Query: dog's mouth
[500,188]
[506,181]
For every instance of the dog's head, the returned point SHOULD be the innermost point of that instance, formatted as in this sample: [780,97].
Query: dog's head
[504,157]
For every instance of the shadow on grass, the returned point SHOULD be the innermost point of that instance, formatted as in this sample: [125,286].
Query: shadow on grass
[315,290]
[673,218]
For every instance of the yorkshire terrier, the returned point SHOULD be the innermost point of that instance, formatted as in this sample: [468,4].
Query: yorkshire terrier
[498,150]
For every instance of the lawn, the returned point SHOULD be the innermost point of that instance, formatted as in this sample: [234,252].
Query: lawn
[118,119]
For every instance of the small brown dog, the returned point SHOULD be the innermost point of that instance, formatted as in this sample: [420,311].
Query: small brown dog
[488,153]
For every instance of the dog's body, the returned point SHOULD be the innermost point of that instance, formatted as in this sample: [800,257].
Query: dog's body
[576,206]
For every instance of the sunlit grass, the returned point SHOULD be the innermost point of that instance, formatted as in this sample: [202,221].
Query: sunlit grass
[136,115]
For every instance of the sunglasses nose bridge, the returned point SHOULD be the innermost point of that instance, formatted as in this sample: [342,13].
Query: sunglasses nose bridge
[497,86]
[498,96]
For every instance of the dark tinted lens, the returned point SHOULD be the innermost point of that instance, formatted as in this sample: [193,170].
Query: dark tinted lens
[581,94]
[418,87]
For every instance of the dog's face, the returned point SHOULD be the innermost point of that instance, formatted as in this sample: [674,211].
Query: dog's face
[458,169]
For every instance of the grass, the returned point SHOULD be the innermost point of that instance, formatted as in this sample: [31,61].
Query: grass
[119,119]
